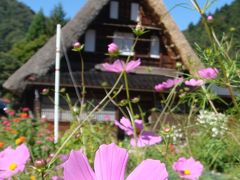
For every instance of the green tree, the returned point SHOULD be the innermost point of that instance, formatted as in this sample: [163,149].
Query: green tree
[23,50]
[38,26]
[57,16]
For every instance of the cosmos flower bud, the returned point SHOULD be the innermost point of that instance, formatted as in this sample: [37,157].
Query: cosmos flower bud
[45,91]
[113,48]
[40,163]
[210,18]
[167,130]
[135,100]
[139,30]
[77,46]
[178,65]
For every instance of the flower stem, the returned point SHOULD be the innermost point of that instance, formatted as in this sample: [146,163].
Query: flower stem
[83,86]
[80,124]
[209,99]
[169,98]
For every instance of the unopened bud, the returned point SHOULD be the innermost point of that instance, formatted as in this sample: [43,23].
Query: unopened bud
[178,65]
[45,91]
[40,163]
[113,48]
[139,30]
[123,102]
[77,46]
[210,18]
[135,100]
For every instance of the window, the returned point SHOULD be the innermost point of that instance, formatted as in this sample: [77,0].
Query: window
[124,42]
[134,12]
[114,9]
[90,40]
[155,47]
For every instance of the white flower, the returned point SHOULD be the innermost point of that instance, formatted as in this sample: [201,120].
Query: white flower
[215,122]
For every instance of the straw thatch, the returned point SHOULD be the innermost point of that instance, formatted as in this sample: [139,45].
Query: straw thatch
[39,64]
[187,54]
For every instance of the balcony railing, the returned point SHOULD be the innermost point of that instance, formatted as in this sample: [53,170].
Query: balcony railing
[66,116]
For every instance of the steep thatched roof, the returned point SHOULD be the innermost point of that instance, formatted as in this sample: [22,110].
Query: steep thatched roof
[39,64]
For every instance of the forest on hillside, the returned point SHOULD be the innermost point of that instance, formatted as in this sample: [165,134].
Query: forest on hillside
[23,32]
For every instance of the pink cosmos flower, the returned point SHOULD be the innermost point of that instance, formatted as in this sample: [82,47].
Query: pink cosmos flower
[208,73]
[13,161]
[118,66]
[159,87]
[110,164]
[168,84]
[188,168]
[113,48]
[194,82]
[144,138]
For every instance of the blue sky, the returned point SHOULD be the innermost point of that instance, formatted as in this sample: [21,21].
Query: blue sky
[182,15]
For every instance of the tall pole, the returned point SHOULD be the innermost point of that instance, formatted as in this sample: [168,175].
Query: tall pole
[57,81]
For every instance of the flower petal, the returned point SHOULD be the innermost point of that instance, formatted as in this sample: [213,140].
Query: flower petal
[110,162]
[146,138]
[149,169]
[116,67]
[132,65]
[77,167]
[125,125]
[25,155]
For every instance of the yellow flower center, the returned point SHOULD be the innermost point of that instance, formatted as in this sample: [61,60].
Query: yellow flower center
[12,166]
[186,171]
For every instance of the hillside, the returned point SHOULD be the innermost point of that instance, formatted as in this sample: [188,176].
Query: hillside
[226,21]
[15,20]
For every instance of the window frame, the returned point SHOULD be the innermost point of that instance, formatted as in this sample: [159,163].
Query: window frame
[134,12]
[114,10]
[90,41]
[155,47]
[124,40]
